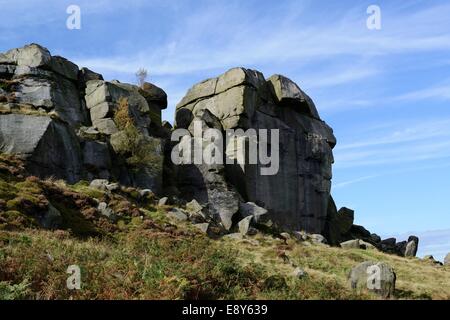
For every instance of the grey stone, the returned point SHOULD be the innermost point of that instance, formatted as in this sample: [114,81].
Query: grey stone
[288,93]
[366,245]
[32,55]
[203,227]
[106,126]
[64,67]
[193,206]
[375,277]
[101,111]
[177,214]
[345,219]
[244,225]
[317,238]
[98,91]
[163,201]
[88,133]
[252,209]
[86,75]
[300,235]
[49,147]
[112,187]
[375,238]
[351,244]
[200,90]
[154,95]
[285,235]
[99,184]
[411,249]
[105,210]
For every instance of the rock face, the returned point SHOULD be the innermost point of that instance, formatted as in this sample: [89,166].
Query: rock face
[297,195]
[61,119]
[376,277]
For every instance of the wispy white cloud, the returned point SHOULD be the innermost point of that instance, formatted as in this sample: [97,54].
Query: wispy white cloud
[343,184]
[423,141]
[440,92]
[240,40]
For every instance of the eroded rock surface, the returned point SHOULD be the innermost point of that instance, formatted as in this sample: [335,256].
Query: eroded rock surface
[297,195]
[60,119]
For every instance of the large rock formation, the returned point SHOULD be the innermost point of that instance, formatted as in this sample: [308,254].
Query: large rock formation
[61,120]
[297,195]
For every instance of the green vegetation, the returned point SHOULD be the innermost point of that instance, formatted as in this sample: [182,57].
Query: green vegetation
[140,150]
[144,254]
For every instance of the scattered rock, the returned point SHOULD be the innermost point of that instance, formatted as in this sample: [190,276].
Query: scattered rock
[253,210]
[105,210]
[317,239]
[194,207]
[244,225]
[163,201]
[112,187]
[285,235]
[203,227]
[366,245]
[376,277]
[351,244]
[99,184]
[300,235]
[413,243]
[177,214]
[411,249]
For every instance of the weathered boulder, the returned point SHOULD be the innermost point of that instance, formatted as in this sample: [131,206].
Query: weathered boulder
[411,249]
[412,246]
[50,147]
[163,201]
[375,277]
[296,196]
[177,214]
[351,244]
[253,210]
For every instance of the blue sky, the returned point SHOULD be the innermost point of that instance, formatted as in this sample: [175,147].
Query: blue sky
[386,93]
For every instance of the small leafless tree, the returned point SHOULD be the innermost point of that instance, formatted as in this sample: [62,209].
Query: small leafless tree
[141,76]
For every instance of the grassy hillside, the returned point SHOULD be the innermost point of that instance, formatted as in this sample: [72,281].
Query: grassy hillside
[146,255]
